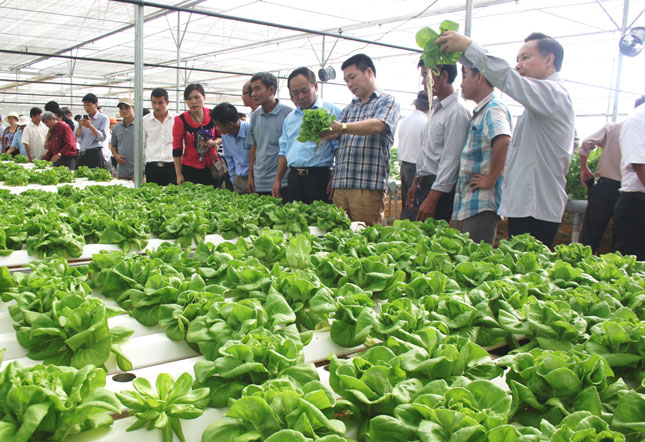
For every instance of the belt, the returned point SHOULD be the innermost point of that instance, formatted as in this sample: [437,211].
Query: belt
[306,171]
[636,195]
[608,180]
[83,152]
[160,164]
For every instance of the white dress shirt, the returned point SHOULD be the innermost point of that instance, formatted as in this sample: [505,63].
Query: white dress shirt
[540,151]
[448,127]
[411,136]
[632,147]
[35,137]
[157,138]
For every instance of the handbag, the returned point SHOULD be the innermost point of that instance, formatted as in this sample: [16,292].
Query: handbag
[219,168]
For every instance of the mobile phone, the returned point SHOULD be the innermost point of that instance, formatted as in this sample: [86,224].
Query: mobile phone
[86,117]
[590,182]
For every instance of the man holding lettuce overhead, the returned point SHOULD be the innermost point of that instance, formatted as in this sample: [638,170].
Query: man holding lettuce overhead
[533,195]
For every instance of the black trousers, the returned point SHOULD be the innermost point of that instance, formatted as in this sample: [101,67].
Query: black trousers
[444,205]
[601,199]
[69,162]
[91,158]
[629,215]
[541,230]
[200,176]
[308,187]
[408,171]
[161,173]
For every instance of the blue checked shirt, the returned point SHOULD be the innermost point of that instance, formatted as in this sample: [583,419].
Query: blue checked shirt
[363,162]
[491,118]
[307,154]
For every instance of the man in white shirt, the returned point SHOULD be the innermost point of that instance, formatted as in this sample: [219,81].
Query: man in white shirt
[157,140]
[630,208]
[34,135]
[432,193]
[411,130]
[533,194]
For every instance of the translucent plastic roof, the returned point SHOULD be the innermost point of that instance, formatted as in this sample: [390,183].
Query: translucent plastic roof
[222,53]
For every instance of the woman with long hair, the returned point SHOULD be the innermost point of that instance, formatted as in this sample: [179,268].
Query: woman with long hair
[194,135]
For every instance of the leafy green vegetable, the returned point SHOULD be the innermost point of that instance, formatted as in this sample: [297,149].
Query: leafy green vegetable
[432,57]
[164,408]
[52,403]
[314,121]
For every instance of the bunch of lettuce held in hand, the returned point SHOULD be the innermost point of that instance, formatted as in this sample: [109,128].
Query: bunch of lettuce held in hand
[432,57]
[313,122]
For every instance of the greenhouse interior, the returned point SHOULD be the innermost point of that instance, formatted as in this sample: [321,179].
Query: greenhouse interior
[286,221]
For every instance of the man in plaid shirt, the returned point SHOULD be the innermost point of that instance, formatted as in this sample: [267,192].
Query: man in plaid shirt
[479,185]
[366,134]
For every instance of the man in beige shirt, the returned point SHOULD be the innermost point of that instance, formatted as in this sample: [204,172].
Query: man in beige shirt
[603,194]
[34,135]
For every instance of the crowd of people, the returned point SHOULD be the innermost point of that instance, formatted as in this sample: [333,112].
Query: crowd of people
[471,168]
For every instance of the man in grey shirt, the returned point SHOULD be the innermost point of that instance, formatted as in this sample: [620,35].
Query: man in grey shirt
[533,193]
[122,142]
[264,135]
[92,130]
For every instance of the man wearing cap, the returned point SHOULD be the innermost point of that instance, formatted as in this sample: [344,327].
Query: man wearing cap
[478,193]
[34,135]
[157,140]
[122,141]
[411,136]
[433,191]
[92,131]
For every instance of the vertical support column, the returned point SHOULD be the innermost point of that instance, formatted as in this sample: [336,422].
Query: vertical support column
[178,44]
[469,18]
[322,83]
[138,96]
[619,69]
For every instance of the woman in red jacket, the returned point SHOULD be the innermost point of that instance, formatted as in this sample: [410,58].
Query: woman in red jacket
[61,144]
[194,146]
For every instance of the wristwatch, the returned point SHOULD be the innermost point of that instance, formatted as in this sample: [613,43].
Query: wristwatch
[343,128]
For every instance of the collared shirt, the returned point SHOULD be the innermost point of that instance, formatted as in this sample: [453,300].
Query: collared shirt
[123,141]
[608,137]
[411,136]
[363,162]
[491,118]
[62,141]
[264,134]
[237,151]
[445,139]
[35,137]
[539,155]
[88,141]
[17,142]
[157,138]
[307,154]
[632,147]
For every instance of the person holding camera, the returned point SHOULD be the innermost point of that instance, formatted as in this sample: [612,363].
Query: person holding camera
[92,130]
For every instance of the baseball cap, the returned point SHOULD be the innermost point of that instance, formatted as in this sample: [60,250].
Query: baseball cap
[127,101]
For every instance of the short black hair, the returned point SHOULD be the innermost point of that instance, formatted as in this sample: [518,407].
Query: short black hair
[267,79]
[548,45]
[90,98]
[35,111]
[159,92]
[51,106]
[476,71]
[640,100]
[57,112]
[421,64]
[450,69]
[194,87]
[305,72]
[361,61]
[225,113]
[66,110]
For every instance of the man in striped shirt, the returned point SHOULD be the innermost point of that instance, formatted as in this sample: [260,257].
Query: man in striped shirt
[366,134]
[479,185]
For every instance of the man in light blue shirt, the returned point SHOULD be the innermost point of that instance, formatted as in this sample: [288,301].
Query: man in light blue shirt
[236,151]
[309,163]
[92,131]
